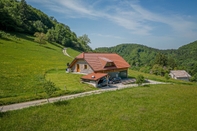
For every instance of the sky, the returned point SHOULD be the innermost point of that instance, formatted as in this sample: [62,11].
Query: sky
[161,24]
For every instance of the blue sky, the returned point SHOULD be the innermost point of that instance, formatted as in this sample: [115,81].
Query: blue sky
[162,24]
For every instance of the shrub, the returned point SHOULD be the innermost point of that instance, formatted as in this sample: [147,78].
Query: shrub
[49,88]
[139,80]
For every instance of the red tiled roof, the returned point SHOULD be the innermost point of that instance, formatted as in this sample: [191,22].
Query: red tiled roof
[94,76]
[80,56]
[98,61]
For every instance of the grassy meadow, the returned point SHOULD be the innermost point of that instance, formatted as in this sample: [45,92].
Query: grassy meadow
[23,66]
[69,82]
[154,107]
[133,73]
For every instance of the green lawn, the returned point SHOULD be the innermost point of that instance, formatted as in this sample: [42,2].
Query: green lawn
[72,53]
[133,73]
[150,108]
[23,65]
[69,82]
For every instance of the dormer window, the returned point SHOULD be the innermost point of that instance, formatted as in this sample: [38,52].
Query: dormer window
[106,62]
[109,64]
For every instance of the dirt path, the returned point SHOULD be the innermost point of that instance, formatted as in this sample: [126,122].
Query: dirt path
[68,97]
[65,53]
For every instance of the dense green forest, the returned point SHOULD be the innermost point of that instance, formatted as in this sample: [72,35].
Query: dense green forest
[18,16]
[158,62]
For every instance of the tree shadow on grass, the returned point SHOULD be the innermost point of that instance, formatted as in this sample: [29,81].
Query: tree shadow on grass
[2,114]
[24,36]
[61,103]
[146,85]
[48,47]
[57,45]
[3,38]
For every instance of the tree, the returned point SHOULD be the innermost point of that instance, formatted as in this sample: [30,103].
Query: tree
[167,76]
[84,39]
[139,80]
[194,78]
[161,60]
[40,38]
[51,35]
[49,88]
[171,63]
[23,12]
[83,43]
[157,70]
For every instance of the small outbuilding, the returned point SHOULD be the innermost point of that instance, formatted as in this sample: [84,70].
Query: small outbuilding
[180,75]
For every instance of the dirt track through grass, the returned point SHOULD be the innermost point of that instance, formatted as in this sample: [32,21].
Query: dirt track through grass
[67,97]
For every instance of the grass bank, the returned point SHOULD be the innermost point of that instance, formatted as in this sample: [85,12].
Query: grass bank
[68,82]
[156,107]
[23,65]
[133,73]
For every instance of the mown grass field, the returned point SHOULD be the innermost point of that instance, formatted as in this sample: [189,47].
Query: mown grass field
[23,65]
[133,73]
[150,108]
[69,82]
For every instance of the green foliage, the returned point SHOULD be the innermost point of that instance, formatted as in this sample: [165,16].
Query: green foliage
[194,78]
[84,39]
[40,38]
[49,88]
[136,55]
[158,62]
[159,70]
[161,60]
[7,36]
[18,16]
[159,107]
[167,76]
[139,80]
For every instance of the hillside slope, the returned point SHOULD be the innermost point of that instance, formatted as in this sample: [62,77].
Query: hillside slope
[23,66]
[17,16]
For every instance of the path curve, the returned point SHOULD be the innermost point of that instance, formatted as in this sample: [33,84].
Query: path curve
[65,52]
[115,87]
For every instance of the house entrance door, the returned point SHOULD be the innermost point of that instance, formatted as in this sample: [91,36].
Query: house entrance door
[78,69]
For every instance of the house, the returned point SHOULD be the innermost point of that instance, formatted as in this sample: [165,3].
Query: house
[180,74]
[97,66]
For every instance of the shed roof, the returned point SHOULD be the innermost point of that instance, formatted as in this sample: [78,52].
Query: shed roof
[94,76]
[180,73]
[98,61]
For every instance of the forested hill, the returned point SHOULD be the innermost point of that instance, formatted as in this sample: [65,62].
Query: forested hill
[148,59]
[18,16]
[134,54]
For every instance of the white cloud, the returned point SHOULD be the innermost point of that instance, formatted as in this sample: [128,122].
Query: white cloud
[129,15]
[109,36]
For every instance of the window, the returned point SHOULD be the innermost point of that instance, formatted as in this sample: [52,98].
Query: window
[110,64]
[85,67]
